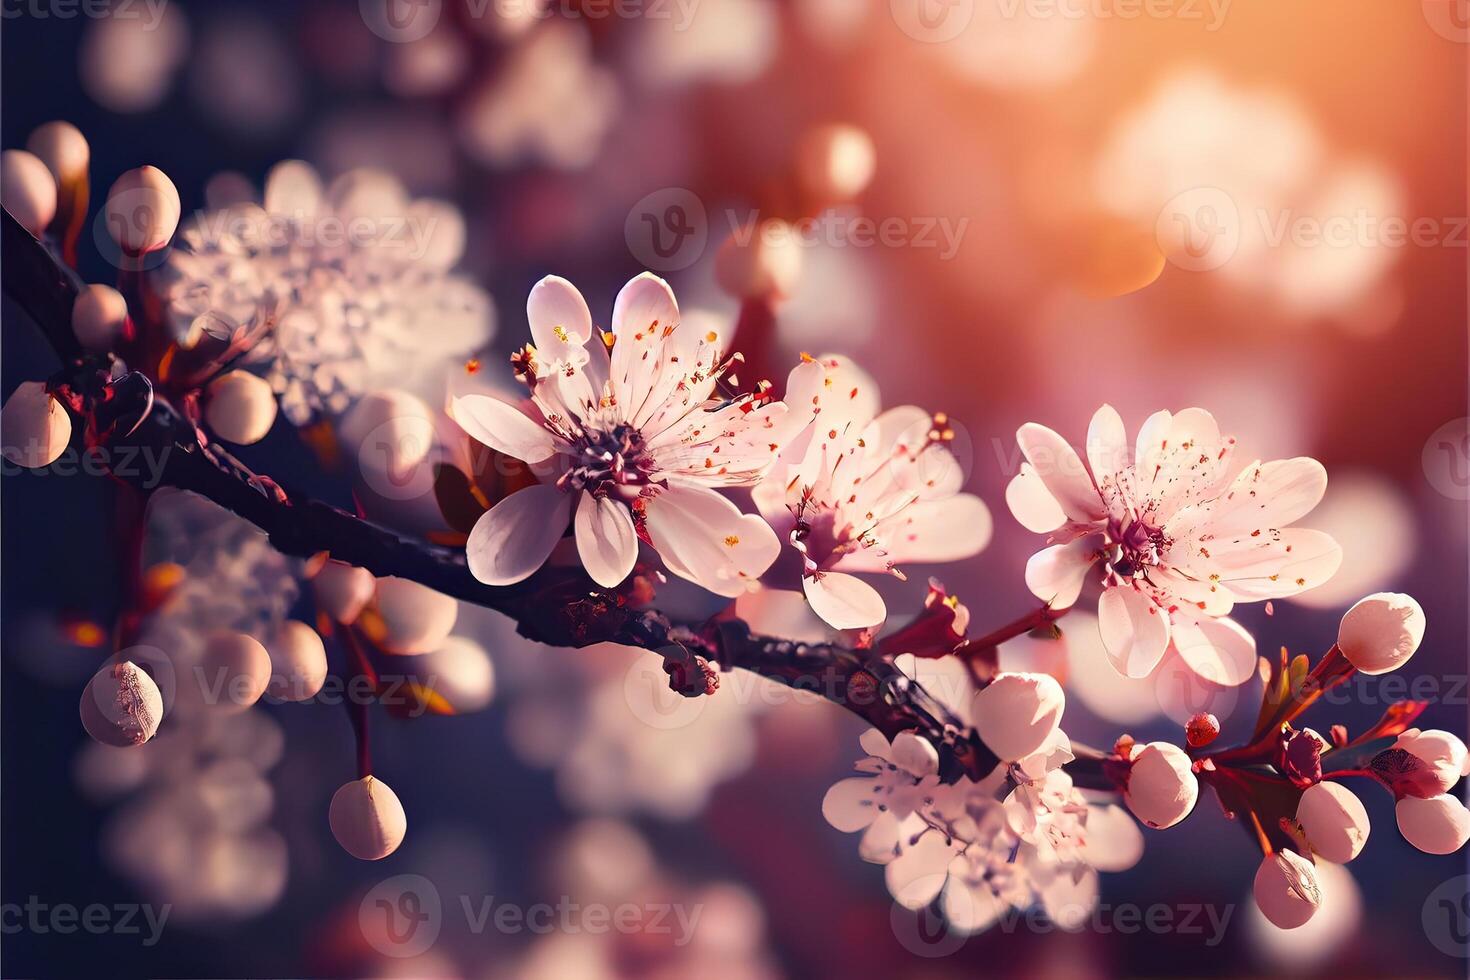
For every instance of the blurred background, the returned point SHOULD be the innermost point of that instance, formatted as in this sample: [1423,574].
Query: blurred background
[1009,210]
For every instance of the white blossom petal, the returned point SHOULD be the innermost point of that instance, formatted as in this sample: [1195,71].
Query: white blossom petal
[1134,630]
[606,539]
[703,537]
[561,323]
[851,804]
[1032,504]
[1061,470]
[1056,575]
[844,602]
[502,427]
[1107,443]
[513,539]
[1219,650]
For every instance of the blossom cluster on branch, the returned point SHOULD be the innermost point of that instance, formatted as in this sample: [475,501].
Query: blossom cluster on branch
[634,472]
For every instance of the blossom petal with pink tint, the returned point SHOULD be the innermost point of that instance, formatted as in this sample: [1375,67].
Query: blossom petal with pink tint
[1114,842]
[1061,470]
[1219,650]
[1056,575]
[560,322]
[951,529]
[606,540]
[644,310]
[1269,495]
[1107,443]
[850,804]
[844,602]
[1276,566]
[1032,504]
[969,910]
[1134,631]
[502,427]
[915,878]
[703,537]
[513,539]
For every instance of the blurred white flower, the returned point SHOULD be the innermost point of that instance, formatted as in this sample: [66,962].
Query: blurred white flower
[548,103]
[353,278]
[723,41]
[127,63]
[1182,536]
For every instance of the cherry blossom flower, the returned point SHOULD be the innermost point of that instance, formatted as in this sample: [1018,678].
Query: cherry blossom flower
[1022,836]
[861,491]
[639,443]
[1181,535]
[354,278]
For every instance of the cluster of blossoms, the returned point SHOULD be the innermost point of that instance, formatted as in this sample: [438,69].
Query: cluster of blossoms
[634,435]
[354,278]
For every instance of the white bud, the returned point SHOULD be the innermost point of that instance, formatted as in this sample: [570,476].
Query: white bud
[1443,756]
[389,430]
[1162,788]
[460,672]
[1334,820]
[1286,889]
[63,149]
[1381,632]
[27,190]
[240,407]
[760,261]
[416,619]
[835,162]
[121,705]
[233,671]
[99,317]
[34,428]
[142,210]
[343,590]
[1016,713]
[367,819]
[1438,825]
[298,662]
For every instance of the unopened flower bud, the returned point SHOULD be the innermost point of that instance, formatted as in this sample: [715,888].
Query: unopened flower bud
[99,317]
[761,261]
[1286,889]
[234,671]
[1431,763]
[1334,820]
[1381,632]
[142,210]
[34,428]
[835,162]
[343,590]
[1016,713]
[298,662]
[27,190]
[240,407]
[1202,729]
[1299,756]
[1161,788]
[367,819]
[415,618]
[63,149]
[121,705]
[1437,825]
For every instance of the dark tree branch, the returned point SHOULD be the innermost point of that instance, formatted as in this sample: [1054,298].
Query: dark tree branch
[557,606]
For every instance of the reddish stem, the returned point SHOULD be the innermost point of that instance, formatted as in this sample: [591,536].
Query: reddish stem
[357,707]
[1033,620]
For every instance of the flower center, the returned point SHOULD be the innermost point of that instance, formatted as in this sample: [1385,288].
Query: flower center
[604,460]
[1136,545]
